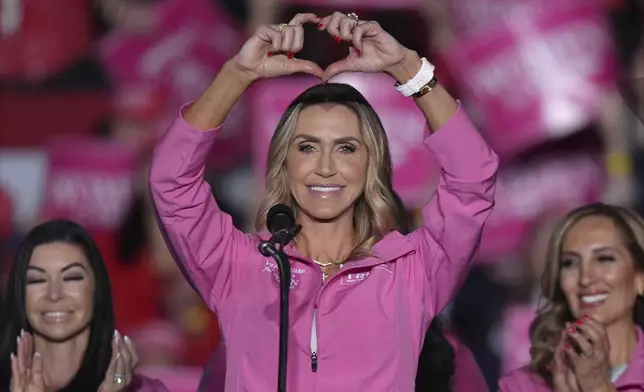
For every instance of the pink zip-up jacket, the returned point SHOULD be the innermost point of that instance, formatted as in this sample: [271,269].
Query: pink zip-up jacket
[632,380]
[361,331]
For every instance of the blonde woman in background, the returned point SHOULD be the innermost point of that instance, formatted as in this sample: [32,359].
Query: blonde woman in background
[588,337]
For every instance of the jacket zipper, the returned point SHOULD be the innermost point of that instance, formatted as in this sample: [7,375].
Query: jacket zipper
[314,329]
[314,342]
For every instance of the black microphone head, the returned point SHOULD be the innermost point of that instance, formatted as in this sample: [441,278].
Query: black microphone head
[280,217]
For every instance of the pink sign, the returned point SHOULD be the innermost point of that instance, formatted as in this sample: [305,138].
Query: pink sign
[89,181]
[415,170]
[179,59]
[516,337]
[525,192]
[537,76]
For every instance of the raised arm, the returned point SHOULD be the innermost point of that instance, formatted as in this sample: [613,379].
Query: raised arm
[209,249]
[454,217]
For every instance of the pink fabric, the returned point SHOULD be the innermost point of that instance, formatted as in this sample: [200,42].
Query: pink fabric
[632,380]
[141,383]
[516,337]
[175,378]
[468,376]
[370,316]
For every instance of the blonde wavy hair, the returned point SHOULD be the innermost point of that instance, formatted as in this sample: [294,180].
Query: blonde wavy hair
[376,211]
[553,313]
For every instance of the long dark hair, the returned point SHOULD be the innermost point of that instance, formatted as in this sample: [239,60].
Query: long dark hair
[14,318]
[436,367]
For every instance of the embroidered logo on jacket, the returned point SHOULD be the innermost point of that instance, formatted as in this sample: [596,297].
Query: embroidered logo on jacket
[271,267]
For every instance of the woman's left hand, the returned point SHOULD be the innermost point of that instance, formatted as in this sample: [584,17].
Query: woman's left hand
[124,359]
[372,48]
[591,364]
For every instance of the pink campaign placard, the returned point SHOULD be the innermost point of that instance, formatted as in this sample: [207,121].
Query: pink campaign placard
[538,76]
[191,41]
[176,61]
[524,192]
[89,181]
[415,170]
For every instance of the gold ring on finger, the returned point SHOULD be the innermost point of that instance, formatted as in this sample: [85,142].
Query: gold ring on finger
[280,27]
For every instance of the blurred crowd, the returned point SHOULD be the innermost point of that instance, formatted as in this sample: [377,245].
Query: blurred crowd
[555,86]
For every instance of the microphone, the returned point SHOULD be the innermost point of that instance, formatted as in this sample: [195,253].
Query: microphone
[280,221]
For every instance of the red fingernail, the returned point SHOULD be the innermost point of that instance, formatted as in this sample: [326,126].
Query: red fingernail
[357,51]
[337,38]
[586,317]
[269,54]
[290,55]
[571,330]
[580,322]
[320,25]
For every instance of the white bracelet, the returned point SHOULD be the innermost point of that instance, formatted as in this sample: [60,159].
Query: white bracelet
[424,76]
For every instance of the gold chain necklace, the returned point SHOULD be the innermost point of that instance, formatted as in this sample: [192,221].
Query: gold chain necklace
[330,263]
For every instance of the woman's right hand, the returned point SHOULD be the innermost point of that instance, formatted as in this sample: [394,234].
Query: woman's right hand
[563,378]
[270,51]
[26,367]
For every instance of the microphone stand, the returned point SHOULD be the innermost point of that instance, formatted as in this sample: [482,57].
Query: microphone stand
[270,249]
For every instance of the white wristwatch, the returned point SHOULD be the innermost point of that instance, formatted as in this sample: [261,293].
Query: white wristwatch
[424,76]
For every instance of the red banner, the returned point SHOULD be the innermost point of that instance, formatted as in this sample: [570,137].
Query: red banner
[39,38]
[89,181]
[537,76]
[415,170]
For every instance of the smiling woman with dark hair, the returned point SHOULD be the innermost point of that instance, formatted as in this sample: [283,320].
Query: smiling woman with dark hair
[58,322]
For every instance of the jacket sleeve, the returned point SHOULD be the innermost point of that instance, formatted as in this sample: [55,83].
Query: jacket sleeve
[211,252]
[453,219]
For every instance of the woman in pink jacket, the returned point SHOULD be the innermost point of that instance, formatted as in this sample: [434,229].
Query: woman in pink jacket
[362,294]
[588,336]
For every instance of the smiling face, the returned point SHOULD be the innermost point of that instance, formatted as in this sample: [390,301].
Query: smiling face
[326,163]
[598,275]
[60,291]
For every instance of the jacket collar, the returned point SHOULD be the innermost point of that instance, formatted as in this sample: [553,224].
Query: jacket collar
[393,246]
[634,374]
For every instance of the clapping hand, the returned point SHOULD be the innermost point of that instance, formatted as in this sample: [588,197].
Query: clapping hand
[590,363]
[26,366]
[563,377]
[124,359]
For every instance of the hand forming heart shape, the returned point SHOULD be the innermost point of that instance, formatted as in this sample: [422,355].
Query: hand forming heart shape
[270,51]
